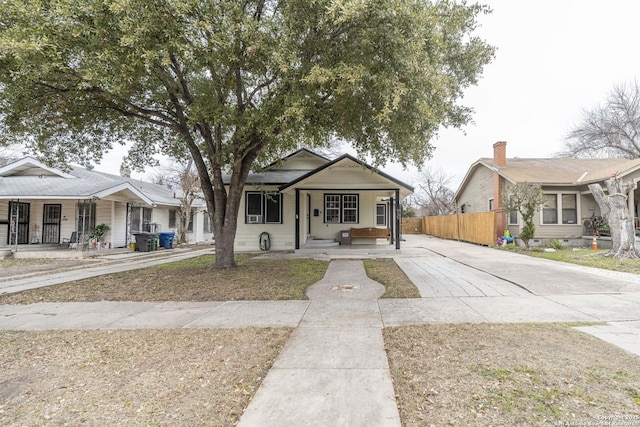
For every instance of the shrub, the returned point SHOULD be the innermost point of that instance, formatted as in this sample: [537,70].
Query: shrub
[555,244]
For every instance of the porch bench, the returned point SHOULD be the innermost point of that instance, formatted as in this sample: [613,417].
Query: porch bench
[370,233]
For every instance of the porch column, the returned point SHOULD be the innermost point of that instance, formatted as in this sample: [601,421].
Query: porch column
[398,218]
[390,217]
[632,204]
[297,222]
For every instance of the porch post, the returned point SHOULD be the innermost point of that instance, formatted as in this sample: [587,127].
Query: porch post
[632,204]
[392,223]
[297,222]
[398,218]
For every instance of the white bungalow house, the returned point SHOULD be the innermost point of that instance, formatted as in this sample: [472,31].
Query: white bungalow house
[306,200]
[40,205]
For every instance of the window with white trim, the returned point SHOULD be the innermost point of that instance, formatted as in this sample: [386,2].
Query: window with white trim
[560,208]
[341,208]
[381,214]
[263,207]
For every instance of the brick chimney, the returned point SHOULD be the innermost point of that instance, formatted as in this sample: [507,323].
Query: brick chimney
[500,161]
[500,154]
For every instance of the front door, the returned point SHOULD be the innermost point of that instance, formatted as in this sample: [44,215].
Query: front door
[51,224]
[18,223]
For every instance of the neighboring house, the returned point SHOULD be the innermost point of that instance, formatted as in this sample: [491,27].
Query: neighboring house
[306,197]
[570,205]
[43,205]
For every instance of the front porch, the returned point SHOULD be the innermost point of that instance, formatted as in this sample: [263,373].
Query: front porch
[62,251]
[332,247]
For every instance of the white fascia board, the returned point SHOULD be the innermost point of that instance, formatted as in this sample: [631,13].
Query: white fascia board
[124,186]
[33,163]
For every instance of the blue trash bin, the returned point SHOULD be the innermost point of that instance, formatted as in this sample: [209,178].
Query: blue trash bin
[166,239]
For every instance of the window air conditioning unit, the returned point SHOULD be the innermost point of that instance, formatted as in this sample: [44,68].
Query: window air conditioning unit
[254,219]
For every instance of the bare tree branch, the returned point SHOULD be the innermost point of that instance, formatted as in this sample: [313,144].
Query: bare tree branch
[433,196]
[609,130]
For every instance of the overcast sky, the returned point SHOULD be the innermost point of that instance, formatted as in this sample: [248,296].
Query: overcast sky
[554,59]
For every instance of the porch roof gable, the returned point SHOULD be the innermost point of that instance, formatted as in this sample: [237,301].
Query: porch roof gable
[346,158]
[28,166]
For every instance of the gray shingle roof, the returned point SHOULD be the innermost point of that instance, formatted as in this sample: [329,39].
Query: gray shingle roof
[80,183]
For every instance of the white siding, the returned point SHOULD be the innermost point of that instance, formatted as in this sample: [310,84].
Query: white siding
[282,235]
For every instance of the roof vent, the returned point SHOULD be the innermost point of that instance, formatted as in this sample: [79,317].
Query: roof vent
[89,166]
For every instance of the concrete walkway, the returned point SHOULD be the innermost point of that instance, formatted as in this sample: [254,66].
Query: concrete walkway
[333,371]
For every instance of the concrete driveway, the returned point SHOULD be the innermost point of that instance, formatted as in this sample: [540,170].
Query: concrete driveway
[461,282]
[482,271]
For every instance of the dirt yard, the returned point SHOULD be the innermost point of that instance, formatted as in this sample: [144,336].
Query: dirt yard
[510,375]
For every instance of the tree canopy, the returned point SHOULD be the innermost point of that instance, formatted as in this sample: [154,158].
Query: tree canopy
[234,84]
[611,129]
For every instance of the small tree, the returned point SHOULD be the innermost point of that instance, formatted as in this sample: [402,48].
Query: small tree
[525,199]
[615,211]
[184,178]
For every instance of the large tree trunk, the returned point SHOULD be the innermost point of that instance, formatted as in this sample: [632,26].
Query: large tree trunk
[615,210]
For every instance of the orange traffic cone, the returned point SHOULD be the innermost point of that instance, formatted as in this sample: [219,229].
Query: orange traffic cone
[594,243]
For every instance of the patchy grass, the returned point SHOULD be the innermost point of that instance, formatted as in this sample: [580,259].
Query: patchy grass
[133,378]
[586,257]
[524,374]
[194,279]
[386,272]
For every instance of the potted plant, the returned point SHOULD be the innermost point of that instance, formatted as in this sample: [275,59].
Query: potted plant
[98,233]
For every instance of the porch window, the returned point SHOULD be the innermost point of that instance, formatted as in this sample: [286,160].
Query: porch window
[332,208]
[341,208]
[381,214]
[350,208]
[263,207]
[141,219]
[550,210]
[569,209]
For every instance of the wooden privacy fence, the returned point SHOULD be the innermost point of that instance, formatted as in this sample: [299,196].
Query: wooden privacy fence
[470,227]
[411,225]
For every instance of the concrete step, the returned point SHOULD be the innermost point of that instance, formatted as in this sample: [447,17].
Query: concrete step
[321,243]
